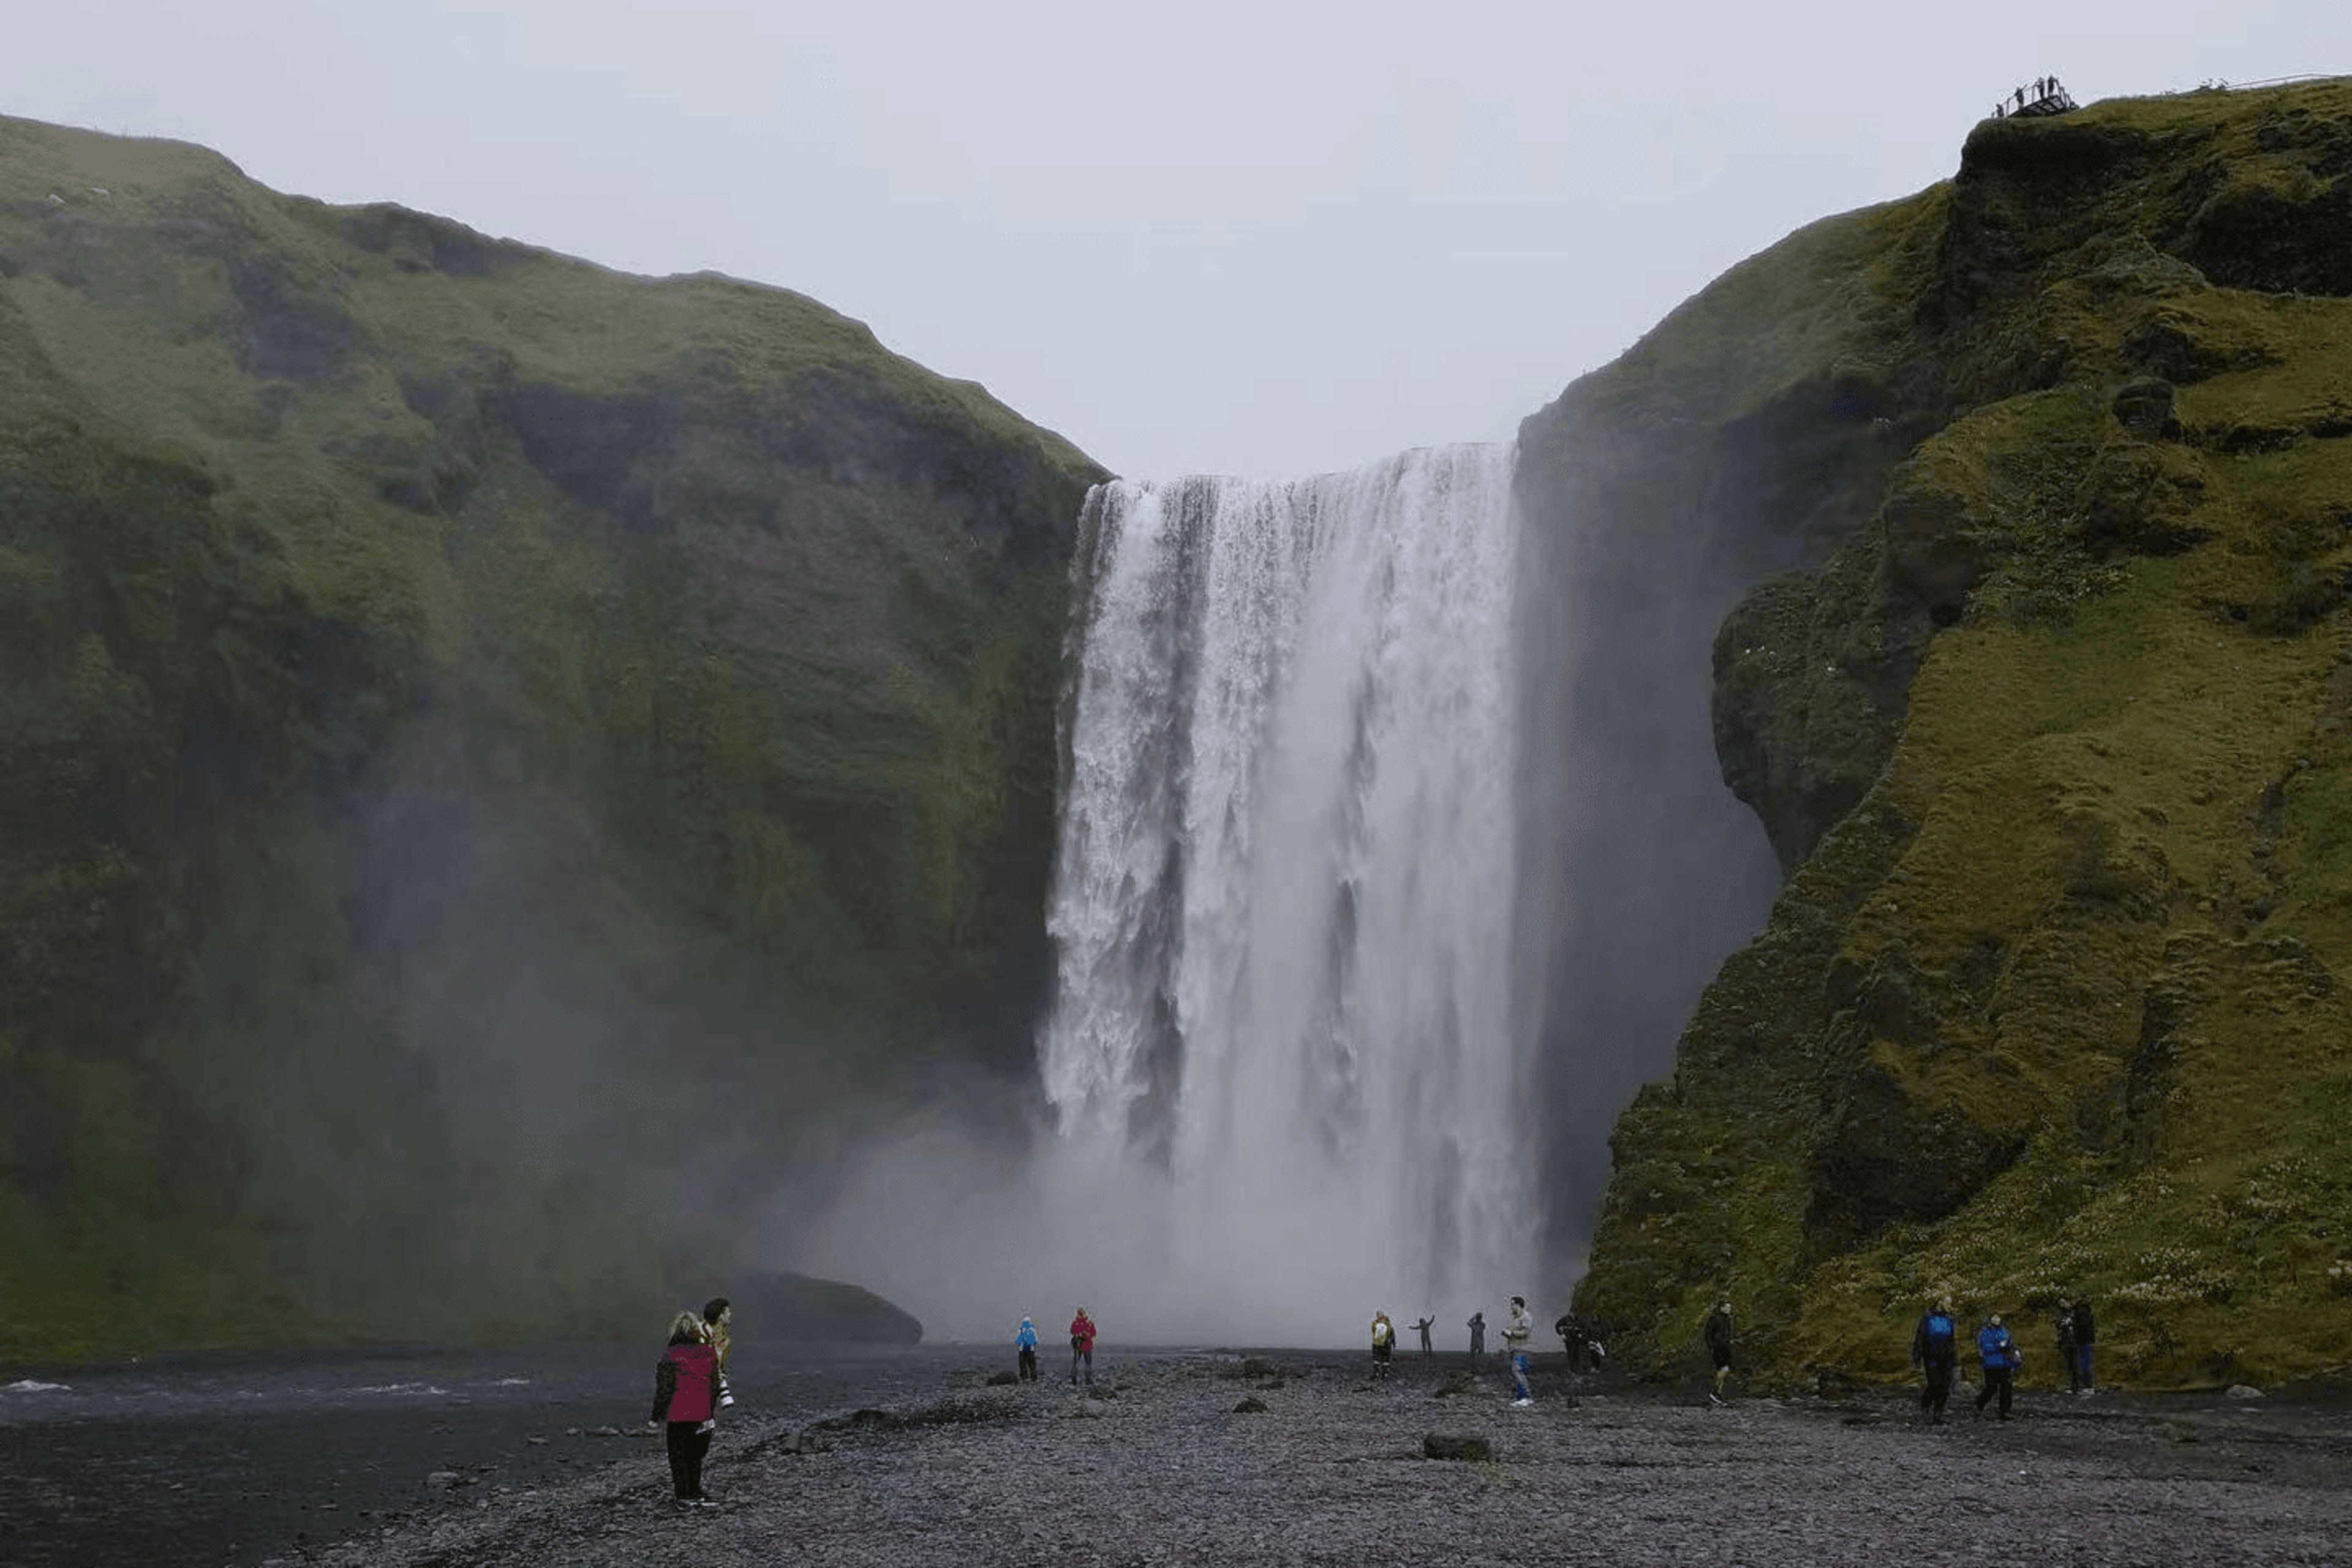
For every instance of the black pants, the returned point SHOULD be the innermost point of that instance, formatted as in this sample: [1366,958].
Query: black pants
[1028,1365]
[1996,1380]
[1939,1388]
[687,1446]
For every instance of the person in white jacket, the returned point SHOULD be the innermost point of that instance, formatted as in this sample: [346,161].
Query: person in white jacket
[1516,1333]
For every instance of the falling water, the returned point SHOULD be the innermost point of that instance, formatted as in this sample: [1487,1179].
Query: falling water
[1285,884]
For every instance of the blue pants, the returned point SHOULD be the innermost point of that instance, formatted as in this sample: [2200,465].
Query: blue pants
[1519,1375]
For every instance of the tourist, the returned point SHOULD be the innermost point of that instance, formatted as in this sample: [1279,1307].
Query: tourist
[1717,1335]
[1581,1342]
[686,1384]
[1583,1348]
[2086,1334]
[1517,1330]
[2067,1356]
[1025,1341]
[718,1324]
[1082,1347]
[1383,1343]
[1934,1350]
[1477,1336]
[1998,1355]
[1424,1326]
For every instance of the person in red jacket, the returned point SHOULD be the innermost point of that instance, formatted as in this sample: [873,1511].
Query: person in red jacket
[685,1395]
[1082,1346]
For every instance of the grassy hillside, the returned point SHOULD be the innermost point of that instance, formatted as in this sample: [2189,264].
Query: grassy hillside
[2049,730]
[492,749]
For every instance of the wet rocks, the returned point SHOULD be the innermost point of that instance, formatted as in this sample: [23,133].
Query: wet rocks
[1440,1445]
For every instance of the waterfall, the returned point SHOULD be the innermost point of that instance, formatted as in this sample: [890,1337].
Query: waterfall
[1282,897]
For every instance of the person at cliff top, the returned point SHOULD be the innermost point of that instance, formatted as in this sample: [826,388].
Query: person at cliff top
[686,1398]
[2086,1334]
[1423,1327]
[1517,1330]
[718,1323]
[1999,1356]
[1718,1348]
[1934,1350]
[1477,1336]
[1025,1341]
[1383,1343]
[1082,1347]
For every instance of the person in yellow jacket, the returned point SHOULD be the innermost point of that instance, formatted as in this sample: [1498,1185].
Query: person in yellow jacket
[718,1320]
[1383,1343]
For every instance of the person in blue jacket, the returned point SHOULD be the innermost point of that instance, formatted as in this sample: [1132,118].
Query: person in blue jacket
[1025,1341]
[1934,1350]
[1999,1356]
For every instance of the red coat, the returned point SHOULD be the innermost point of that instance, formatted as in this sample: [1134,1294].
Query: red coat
[691,1373]
[1082,1329]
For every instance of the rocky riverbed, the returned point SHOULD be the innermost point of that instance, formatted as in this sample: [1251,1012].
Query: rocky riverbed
[1162,1467]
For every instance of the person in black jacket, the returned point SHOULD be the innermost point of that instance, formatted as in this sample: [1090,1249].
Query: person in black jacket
[1582,1347]
[1719,1348]
[2086,1334]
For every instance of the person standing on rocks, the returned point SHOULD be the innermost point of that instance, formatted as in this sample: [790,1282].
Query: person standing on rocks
[1383,1343]
[1424,1326]
[1477,1336]
[1082,1347]
[1582,1347]
[1997,1354]
[1935,1349]
[1717,1335]
[686,1397]
[1517,1330]
[2067,1350]
[2086,1334]
[718,1332]
[1025,1341]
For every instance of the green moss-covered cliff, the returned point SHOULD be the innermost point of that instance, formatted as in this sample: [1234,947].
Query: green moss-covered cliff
[2049,724]
[485,742]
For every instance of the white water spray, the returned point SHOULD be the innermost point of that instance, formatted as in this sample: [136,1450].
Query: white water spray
[1283,902]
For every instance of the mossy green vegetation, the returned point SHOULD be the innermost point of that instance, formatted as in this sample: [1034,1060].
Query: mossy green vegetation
[479,731]
[2053,740]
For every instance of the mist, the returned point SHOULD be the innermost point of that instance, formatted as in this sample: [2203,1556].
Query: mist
[1564,879]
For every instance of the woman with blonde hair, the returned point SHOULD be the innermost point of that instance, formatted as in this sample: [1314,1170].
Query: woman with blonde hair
[686,1396]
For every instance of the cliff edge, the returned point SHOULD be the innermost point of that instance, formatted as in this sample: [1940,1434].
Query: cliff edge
[2038,681]
[493,749]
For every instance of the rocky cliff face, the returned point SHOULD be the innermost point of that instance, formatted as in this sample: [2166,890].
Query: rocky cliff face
[2046,724]
[441,677]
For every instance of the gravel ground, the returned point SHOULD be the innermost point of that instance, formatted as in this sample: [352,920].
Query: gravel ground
[1165,1471]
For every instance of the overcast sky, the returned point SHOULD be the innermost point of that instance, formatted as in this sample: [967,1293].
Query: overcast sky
[1242,236]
